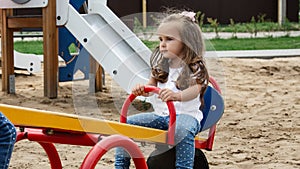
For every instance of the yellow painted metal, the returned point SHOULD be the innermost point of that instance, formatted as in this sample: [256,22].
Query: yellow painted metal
[28,117]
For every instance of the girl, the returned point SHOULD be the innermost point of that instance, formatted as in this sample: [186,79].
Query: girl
[178,69]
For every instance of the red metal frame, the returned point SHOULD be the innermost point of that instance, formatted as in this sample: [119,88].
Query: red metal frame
[49,148]
[172,124]
[208,144]
[215,84]
[201,144]
[84,139]
[110,142]
[46,138]
[72,138]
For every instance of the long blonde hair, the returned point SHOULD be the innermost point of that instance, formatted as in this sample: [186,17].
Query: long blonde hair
[194,71]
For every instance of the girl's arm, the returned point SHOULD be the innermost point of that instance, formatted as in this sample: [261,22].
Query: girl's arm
[152,82]
[185,95]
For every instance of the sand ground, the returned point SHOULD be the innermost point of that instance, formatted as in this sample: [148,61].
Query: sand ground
[260,127]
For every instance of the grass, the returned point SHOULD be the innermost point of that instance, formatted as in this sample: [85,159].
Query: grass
[36,47]
[247,43]
[256,43]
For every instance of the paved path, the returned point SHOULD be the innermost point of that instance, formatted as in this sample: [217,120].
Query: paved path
[254,53]
[227,35]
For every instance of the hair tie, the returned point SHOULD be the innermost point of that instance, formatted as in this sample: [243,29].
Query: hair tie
[190,15]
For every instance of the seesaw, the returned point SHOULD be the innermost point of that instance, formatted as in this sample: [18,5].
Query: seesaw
[47,128]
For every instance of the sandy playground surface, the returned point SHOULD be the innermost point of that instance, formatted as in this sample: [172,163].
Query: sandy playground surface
[259,129]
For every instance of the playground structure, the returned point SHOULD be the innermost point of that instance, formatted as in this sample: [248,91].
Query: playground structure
[102,134]
[120,53]
[105,37]
[29,62]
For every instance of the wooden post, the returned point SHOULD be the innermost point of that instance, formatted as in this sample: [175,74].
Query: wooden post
[50,36]
[144,13]
[281,11]
[0,20]
[7,52]
[99,78]
[96,69]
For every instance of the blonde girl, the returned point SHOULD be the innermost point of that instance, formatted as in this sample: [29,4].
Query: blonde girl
[179,70]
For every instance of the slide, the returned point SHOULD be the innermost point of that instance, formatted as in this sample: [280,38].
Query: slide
[111,43]
[30,62]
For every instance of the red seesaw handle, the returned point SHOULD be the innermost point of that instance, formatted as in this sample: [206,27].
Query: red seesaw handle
[172,112]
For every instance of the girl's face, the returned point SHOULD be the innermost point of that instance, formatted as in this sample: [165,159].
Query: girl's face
[170,44]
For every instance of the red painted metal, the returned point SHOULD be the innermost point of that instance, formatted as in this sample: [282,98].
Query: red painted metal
[46,138]
[208,144]
[215,84]
[71,138]
[172,123]
[110,142]
[20,136]
[172,111]
[52,155]
[49,149]
[201,144]
[124,110]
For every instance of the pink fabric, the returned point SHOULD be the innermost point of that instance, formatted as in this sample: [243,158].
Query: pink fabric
[191,15]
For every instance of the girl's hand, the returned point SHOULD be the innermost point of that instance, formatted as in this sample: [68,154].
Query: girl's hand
[139,90]
[167,95]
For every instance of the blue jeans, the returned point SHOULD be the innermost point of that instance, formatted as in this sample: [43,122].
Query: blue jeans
[186,129]
[7,141]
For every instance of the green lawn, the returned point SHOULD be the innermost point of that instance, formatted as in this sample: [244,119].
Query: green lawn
[257,43]
[36,47]
[247,43]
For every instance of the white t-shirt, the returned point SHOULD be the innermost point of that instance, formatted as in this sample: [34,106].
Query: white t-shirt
[190,107]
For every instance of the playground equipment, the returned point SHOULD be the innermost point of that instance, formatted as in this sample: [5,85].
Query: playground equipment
[73,62]
[120,53]
[32,63]
[105,37]
[47,128]
[29,62]
[9,24]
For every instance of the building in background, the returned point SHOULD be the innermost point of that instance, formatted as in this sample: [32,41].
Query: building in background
[239,10]
[223,10]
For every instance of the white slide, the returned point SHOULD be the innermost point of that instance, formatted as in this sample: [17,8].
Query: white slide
[111,43]
[30,62]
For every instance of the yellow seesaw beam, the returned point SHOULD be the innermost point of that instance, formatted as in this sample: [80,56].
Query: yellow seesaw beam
[29,117]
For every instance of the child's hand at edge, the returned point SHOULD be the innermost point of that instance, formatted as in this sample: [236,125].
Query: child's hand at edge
[139,90]
[168,95]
